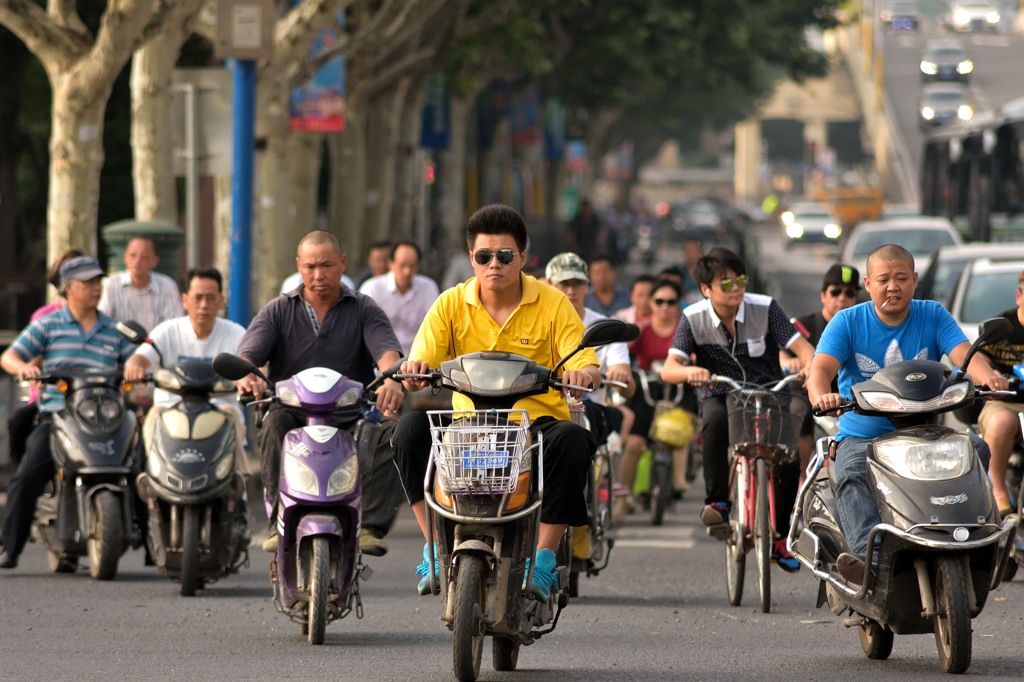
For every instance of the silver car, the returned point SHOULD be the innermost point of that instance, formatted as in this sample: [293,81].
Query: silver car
[984,290]
[945,103]
[973,15]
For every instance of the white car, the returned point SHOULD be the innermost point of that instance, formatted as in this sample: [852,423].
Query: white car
[807,222]
[985,289]
[921,236]
[939,280]
[973,15]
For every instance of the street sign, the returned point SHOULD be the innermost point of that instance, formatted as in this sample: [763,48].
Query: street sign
[245,29]
[211,95]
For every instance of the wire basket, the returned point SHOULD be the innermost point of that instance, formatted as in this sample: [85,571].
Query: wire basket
[762,418]
[479,451]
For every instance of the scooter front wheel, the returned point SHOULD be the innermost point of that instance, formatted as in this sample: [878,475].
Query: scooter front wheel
[953,621]
[105,536]
[190,580]
[319,585]
[468,626]
[875,641]
[661,486]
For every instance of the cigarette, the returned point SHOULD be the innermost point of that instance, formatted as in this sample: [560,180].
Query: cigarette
[888,300]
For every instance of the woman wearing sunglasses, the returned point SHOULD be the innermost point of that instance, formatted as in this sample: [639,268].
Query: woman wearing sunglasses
[649,351]
[737,334]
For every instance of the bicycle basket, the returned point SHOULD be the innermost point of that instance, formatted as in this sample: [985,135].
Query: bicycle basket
[762,418]
[480,451]
[671,425]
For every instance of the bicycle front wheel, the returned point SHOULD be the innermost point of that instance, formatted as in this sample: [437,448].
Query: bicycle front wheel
[763,533]
[735,551]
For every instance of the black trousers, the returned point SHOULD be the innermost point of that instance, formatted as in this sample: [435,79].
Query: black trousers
[568,451]
[786,477]
[19,426]
[382,492]
[28,483]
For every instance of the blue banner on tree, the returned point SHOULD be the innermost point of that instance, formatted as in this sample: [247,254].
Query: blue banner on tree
[436,114]
[319,105]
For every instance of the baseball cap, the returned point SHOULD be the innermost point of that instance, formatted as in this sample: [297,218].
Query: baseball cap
[842,275]
[80,269]
[566,266]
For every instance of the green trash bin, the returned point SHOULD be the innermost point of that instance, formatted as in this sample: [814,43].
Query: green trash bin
[166,236]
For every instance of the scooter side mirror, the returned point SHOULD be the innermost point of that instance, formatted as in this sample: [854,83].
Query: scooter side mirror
[600,332]
[132,330]
[989,331]
[233,367]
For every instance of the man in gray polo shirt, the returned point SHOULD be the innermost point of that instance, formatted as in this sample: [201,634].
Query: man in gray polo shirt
[325,324]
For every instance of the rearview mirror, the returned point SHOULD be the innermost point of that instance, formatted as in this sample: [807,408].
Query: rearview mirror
[600,332]
[132,330]
[233,367]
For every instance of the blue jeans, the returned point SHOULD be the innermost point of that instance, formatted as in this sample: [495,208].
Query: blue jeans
[858,513]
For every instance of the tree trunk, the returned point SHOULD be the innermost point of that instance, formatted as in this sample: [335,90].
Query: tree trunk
[222,226]
[382,142]
[408,167]
[305,154]
[453,183]
[156,196]
[76,159]
[348,182]
[273,227]
[596,135]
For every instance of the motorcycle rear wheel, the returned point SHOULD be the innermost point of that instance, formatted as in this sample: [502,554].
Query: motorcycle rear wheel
[468,625]
[319,586]
[1010,572]
[735,552]
[190,580]
[105,536]
[763,535]
[504,653]
[953,622]
[875,641]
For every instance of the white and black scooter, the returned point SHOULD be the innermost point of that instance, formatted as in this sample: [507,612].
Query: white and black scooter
[941,546]
[198,529]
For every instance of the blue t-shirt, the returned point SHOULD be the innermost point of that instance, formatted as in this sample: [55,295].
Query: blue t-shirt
[863,344]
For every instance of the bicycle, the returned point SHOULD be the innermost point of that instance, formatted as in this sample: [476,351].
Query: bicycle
[672,428]
[761,437]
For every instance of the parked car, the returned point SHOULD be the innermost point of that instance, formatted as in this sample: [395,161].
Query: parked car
[973,15]
[945,103]
[939,280]
[946,59]
[984,290]
[810,222]
[900,15]
[921,236]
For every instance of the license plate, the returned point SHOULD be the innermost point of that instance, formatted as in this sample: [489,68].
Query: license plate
[484,459]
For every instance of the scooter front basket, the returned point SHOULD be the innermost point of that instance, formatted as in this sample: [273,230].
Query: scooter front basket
[479,451]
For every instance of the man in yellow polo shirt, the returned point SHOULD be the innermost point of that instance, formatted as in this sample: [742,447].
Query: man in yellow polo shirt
[502,309]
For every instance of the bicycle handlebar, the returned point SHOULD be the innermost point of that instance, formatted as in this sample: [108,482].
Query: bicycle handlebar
[741,385]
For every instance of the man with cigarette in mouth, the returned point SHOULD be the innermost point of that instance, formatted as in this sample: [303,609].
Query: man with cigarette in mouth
[858,342]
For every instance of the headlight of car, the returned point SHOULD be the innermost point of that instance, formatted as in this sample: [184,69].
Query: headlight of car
[300,478]
[961,17]
[832,231]
[965,67]
[929,68]
[794,230]
[935,460]
[992,17]
[965,112]
[927,113]
[224,466]
[344,477]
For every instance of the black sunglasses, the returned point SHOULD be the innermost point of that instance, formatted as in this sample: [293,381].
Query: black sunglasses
[665,301]
[849,291]
[484,256]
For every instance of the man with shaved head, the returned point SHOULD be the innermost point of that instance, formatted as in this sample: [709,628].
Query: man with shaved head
[859,341]
[323,323]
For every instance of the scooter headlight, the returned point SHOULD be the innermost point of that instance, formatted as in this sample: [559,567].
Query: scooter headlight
[927,460]
[349,397]
[884,401]
[288,396]
[344,477]
[300,478]
[155,466]
[224,466]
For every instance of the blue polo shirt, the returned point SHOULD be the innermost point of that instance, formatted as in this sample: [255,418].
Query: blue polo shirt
[59,339]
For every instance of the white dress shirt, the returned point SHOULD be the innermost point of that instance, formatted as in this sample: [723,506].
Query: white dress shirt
[149,306]
[406,311]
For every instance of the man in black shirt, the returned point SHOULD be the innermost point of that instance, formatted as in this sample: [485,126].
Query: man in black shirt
[998,422]
[839,290]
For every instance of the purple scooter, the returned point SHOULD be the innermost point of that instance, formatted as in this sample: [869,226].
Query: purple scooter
[317,568]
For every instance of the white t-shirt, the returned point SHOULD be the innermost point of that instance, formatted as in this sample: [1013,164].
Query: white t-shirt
[607,355]
[178,342]
[292,281]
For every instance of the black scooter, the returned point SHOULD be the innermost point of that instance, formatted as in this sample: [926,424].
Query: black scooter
[941,546]
[96,450]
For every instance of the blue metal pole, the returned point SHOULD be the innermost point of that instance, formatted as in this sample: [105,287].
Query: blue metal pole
[243,142]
